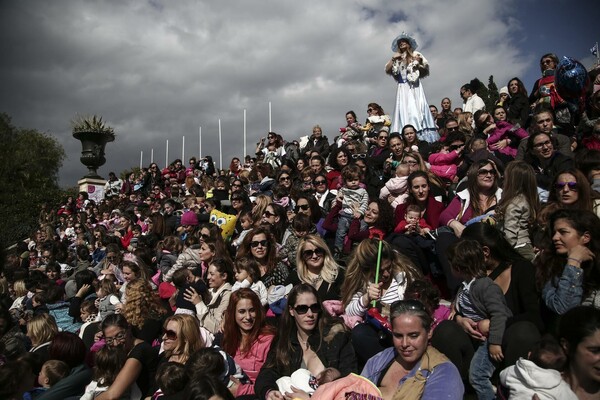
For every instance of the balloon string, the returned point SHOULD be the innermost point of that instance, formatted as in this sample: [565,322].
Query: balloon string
[377,269]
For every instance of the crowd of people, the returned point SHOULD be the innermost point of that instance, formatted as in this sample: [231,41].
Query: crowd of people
[453,253]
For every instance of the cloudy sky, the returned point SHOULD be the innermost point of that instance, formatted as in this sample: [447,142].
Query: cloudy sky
[158,70]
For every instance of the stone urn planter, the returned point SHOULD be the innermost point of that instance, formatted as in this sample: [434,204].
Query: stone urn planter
[94,135]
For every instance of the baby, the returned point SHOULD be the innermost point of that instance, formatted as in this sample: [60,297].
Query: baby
[413,223]
[395,188]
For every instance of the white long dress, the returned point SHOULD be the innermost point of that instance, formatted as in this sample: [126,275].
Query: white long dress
[411,104]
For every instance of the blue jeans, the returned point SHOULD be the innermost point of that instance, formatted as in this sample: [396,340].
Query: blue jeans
[344,221]
[481,370]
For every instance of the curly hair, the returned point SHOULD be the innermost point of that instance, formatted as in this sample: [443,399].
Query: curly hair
[141,303]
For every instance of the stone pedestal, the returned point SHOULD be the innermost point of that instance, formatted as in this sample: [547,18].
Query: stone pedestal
[93,187]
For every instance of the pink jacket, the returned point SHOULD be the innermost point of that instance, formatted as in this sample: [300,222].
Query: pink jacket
[396,188]
[252,362]
[350,387]
[502,131]
[444,165]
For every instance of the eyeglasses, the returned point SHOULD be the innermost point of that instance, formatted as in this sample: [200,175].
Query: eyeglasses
[540,145]
[547,61]
[370,109]
[119,337]
[455,147]
[270,137]
[204,236]
[404,305]
[268,214]
[303,309]
[319,182]
[302,207]
[310,253]
[169,334]
[484,172]
[236,185]
[452,128]
[284,178]
[256,243]
[382,137]
[561,185]
[357,156]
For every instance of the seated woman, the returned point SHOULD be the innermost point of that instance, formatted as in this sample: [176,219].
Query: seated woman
[502,137]
[568,272]
[141,363]
[308,338]
[143,310]
[360,292]
[570,190]
[180,338]
[316,267]
[220,278]
[411,368]
[377,221]
[579,334]
[260,245]
[246,337]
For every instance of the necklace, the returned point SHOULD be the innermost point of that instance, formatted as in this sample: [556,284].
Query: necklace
[303,343]
[316,280]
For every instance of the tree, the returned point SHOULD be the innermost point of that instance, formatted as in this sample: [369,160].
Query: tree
[29,165]
[493,94]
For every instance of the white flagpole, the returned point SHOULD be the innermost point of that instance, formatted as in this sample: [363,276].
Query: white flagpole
[151,156]
[167,154]
[244,154]
[220,147]
[199,142]
[141,158]
[183,150]
[270,128]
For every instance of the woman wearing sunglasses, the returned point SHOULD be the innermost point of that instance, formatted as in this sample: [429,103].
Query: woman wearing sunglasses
[411,368]
[180,338]
[307,338]
[275,218]
[316,267]
[246,337]
[475,202]
[260,245]
[571,190]
[141,362]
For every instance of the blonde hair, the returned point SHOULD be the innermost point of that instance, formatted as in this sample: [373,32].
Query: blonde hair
[189,339]
[19,288]
[463,125]
[141,303]
[330,269]
[41,329]
[261,203]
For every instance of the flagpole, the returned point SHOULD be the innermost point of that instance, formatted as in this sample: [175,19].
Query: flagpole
[597,55]
[167,154]
[244,154]
[141,158]
[151,156]
[183,149]
[270,128]
[220,148]
[199,143]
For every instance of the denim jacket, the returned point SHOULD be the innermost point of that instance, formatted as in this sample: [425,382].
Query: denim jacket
[562,293]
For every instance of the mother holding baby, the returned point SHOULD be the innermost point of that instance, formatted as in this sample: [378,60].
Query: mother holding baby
[309,339]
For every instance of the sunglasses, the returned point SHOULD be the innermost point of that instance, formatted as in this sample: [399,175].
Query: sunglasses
[268,214]
[382,137]
[357,156]
[404,305]
[452,129]
[302,207]
[320,182]
[484,172]
[284,178]
[256,243]
[310,253]
[169,334]
[303,309]
[204,236]
[370,110]
[561,185]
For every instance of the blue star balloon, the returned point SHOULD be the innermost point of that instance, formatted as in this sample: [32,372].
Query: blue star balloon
[571,79]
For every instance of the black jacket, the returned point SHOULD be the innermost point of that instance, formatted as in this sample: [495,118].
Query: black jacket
[322,146]
[337,353]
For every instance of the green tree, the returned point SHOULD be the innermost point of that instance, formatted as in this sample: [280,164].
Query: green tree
[493,94]
[29,165]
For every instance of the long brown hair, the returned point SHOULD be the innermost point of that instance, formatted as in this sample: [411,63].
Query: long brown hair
[474,189]
[519,180]
[271,258]
[232,336]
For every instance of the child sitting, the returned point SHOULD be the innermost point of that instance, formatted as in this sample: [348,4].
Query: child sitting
[184,279]
[395,188]
[108,299]
[413,223]
[299,228]
[189,257]
[246,222]
[540,374]
[170,379]
[480,299]
[108,362]
[355,201]
[445,160]
[247,275]
[52,371]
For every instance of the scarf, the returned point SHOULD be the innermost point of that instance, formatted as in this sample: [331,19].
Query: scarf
[413,387]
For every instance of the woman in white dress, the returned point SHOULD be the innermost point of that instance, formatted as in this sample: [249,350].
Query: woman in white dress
[408,66]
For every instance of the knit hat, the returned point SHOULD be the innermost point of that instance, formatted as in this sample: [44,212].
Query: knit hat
[504,90]
[189,218]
